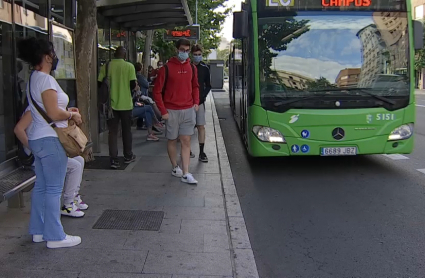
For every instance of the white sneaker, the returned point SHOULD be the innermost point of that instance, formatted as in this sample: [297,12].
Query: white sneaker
[177,172]
[188,178]
[72,211]
[37,238]
[69,241]
[79,203]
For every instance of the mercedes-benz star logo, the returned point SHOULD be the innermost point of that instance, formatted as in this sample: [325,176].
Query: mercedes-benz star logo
[338,133]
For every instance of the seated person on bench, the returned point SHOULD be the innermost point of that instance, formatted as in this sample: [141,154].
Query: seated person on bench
[74,172]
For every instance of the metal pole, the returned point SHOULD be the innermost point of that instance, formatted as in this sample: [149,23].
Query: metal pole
[196,16]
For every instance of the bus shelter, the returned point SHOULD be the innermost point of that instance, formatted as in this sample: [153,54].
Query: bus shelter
[119,24]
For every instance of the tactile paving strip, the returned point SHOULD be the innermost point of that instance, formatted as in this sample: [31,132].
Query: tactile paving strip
[130,220]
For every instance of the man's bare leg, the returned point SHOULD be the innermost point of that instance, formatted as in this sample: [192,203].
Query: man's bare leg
[185,142]
[172,152]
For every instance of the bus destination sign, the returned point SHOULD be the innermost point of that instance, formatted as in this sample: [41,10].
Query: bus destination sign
[190,33]
[275,5]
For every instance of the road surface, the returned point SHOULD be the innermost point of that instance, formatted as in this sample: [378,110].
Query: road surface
[332,217]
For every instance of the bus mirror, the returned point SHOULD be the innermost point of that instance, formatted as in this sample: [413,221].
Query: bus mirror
[418,34]
[240,25]
[227,63]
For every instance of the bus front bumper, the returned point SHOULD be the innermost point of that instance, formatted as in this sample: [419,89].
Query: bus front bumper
[307,147]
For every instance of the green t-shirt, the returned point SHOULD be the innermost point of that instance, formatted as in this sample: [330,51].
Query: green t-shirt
[120,74]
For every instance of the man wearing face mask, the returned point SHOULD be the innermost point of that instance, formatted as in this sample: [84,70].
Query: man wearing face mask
[176,93]
[204,80]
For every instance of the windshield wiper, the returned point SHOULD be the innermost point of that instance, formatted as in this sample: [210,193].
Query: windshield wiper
[362,90]
[285,102]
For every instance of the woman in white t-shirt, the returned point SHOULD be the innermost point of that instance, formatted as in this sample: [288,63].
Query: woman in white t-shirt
[50,157]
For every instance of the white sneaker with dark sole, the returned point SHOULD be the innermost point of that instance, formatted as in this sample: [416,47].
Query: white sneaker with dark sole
[72,211]
[69,241]
[188,178]
[177,172]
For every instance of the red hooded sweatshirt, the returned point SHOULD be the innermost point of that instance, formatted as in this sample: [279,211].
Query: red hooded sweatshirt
[182,88]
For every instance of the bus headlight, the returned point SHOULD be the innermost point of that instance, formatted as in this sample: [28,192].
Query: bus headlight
[402,132]
[267,134]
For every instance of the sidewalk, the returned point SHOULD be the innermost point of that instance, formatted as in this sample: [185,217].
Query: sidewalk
[202,234]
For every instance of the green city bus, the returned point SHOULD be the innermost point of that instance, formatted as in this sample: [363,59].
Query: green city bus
[322,77]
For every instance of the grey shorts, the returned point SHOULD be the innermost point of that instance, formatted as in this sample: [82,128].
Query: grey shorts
[180,122]
[200,115]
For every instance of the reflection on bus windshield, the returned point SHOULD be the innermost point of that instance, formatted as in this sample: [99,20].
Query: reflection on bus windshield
[316,51]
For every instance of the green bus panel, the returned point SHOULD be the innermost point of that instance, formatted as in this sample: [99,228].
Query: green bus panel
[365,129]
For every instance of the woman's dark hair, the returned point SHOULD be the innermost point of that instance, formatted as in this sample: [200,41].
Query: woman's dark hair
[196,47]
[32,50]
[181,42]
[138,67]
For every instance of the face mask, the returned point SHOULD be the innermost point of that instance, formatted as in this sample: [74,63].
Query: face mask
[197,59]
[55,63]
[160,66]
[183,56]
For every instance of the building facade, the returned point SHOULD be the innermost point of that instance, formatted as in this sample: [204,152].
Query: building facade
[53,20]
[348,77]
[293,80]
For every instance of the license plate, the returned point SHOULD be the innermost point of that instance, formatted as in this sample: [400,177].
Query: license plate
[339,151]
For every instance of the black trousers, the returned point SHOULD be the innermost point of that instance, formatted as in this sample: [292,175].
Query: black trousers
[127,139]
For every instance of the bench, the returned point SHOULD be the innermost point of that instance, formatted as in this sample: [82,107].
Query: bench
[14,180]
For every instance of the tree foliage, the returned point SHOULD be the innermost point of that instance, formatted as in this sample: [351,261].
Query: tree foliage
[210,22]
[420,58]
[276,36]
[223,54]
[320,84]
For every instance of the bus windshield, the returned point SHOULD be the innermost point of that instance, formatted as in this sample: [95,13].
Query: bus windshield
[340,52]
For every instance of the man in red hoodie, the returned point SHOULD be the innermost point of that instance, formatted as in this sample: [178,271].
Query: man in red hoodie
[176,93]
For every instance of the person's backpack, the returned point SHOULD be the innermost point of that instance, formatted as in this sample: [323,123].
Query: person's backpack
[166,77]
[104,96]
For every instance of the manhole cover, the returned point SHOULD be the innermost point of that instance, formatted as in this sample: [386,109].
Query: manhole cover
[130,220]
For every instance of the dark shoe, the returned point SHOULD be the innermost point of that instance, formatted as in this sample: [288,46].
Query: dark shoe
[115,164]
[192,155]
[129,160]
[203,157]
[158,131]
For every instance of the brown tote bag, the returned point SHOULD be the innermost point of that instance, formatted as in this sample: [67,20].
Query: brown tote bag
[72,138]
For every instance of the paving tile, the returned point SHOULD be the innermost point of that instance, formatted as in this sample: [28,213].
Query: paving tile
[239,233]
[195,213]
[37,256]
[143,240]
[188,263]
[175,201]
[214,200]
[170,226]
[87,274]
[245,264]
[233,206]
[203,226]
[19,273]
[216,243]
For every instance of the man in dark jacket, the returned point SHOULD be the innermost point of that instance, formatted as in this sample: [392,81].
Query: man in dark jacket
[204,80]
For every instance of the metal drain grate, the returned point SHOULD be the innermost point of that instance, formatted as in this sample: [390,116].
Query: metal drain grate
[130,220]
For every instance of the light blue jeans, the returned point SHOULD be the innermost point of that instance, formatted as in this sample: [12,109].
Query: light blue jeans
[50,169]
[145,112]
